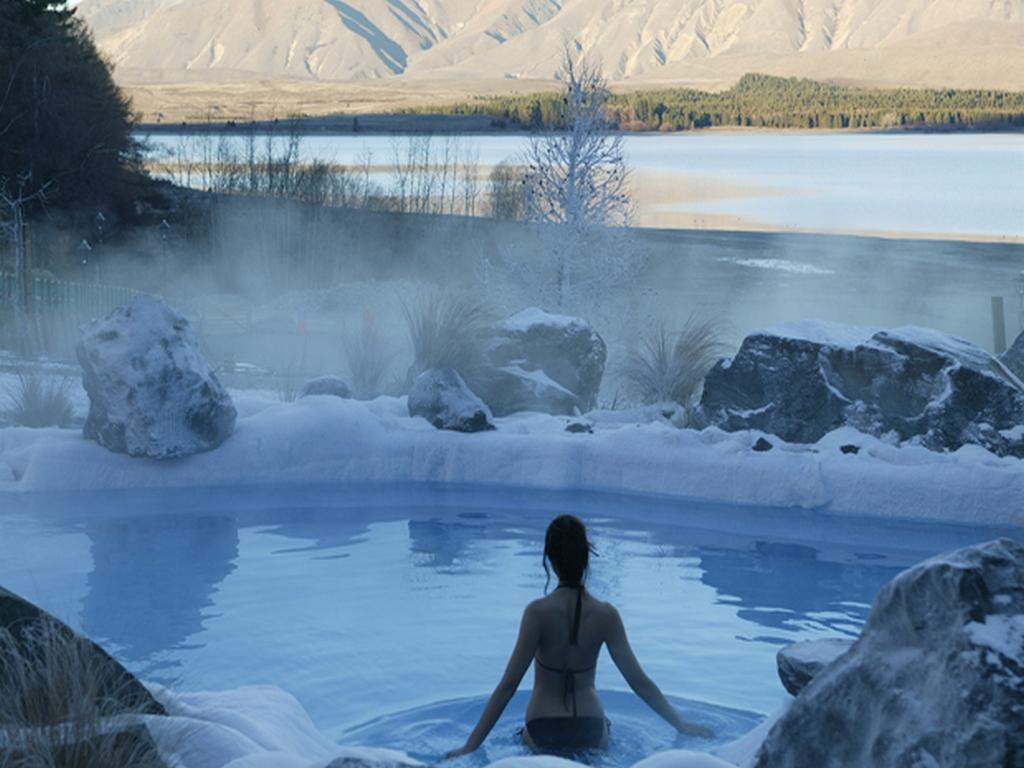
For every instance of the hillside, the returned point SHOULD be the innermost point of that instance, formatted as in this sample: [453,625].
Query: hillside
[960,43]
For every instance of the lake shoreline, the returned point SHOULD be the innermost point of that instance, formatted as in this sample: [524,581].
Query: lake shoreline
[397,123]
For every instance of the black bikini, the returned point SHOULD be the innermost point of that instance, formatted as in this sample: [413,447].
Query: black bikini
[567,735]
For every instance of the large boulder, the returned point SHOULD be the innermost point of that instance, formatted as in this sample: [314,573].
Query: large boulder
[935,679]
[35,633]
[544,362]
[151,392]
[442,398]
[800,662]
[802,380]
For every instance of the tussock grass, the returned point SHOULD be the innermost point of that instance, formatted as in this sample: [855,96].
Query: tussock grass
[670,367]
[448,331]
[57,698]
[288,387]
[34,400]
[369,355]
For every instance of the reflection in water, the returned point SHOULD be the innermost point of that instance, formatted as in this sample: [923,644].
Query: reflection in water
[154,579]
[785,586]
[453,546]
[320,528]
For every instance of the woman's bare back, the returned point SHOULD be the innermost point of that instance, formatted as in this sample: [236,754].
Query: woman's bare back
[555,615]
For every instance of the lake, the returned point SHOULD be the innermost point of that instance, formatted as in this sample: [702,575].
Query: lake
[968,186]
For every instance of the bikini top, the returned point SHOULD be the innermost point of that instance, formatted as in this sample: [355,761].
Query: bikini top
[568,674]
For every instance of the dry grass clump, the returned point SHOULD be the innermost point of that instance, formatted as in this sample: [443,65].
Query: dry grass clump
[670,367]
[369,356]
[57,695]
[34,400]
[449,331]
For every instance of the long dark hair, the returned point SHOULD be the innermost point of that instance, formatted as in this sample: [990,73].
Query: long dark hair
[567,549]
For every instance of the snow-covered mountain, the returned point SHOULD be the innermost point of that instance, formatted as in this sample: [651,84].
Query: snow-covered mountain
[653,39]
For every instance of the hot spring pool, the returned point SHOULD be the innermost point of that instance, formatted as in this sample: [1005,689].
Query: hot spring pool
[389,612]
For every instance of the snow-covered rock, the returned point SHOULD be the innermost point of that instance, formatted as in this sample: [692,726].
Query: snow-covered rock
[120,690]
[151,392]
[682,758]
[935,679]
[544,362]
[802,380]
[327,385]
[442,398]
[800,662]
[373,758]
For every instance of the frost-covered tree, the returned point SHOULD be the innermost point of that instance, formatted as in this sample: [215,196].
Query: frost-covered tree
[576,178]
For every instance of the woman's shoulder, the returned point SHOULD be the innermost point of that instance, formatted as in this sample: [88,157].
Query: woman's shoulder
[603,608]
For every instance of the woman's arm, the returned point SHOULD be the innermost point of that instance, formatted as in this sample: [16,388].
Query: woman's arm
[522,656]
[642,685]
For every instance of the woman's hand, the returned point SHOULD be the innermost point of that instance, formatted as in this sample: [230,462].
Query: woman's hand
[465,749]
[695,729]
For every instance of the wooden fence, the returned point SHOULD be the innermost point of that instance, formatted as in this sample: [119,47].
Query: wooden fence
[55,310]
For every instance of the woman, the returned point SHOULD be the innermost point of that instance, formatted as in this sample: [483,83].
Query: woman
[563,633]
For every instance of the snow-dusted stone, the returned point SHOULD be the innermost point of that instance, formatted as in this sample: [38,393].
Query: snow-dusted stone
[151,392]
[802,380]
[935,679]
[327,385]
[120,690]
[544,362]
[364,757]
[800,662]
[442,398]
[682,758]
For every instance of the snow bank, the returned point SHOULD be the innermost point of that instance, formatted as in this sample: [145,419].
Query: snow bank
[326,439]
[251,727]
[264,727]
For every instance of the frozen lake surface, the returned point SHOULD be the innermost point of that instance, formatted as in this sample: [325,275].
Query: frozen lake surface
[896,183]
[389,612]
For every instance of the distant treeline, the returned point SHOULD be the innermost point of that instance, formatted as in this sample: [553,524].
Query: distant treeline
[762,101]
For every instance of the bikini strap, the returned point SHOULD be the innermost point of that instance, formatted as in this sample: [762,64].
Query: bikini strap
[574,637]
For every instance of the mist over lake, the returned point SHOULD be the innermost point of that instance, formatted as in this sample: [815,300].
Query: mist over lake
[967,186]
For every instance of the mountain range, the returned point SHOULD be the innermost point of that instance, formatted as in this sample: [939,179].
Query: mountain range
[910,42]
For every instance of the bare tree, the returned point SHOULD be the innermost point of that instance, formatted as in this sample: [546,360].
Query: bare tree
[576,177]
[13,203]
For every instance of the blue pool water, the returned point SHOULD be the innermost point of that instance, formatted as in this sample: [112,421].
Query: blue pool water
[390,612]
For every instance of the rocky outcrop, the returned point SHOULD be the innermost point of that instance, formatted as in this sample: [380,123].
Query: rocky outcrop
[327,385]
[151,392]
[544,362]
[935,679]
[33,631]
[800,662]
[802,380]
[442,398]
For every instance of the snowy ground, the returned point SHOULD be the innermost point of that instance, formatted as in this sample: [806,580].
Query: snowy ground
[327,439]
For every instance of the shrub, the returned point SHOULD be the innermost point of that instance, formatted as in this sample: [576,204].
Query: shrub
[40,401]
[57,698]
[670,367]
[369,357]
[448,331]
[289,387]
